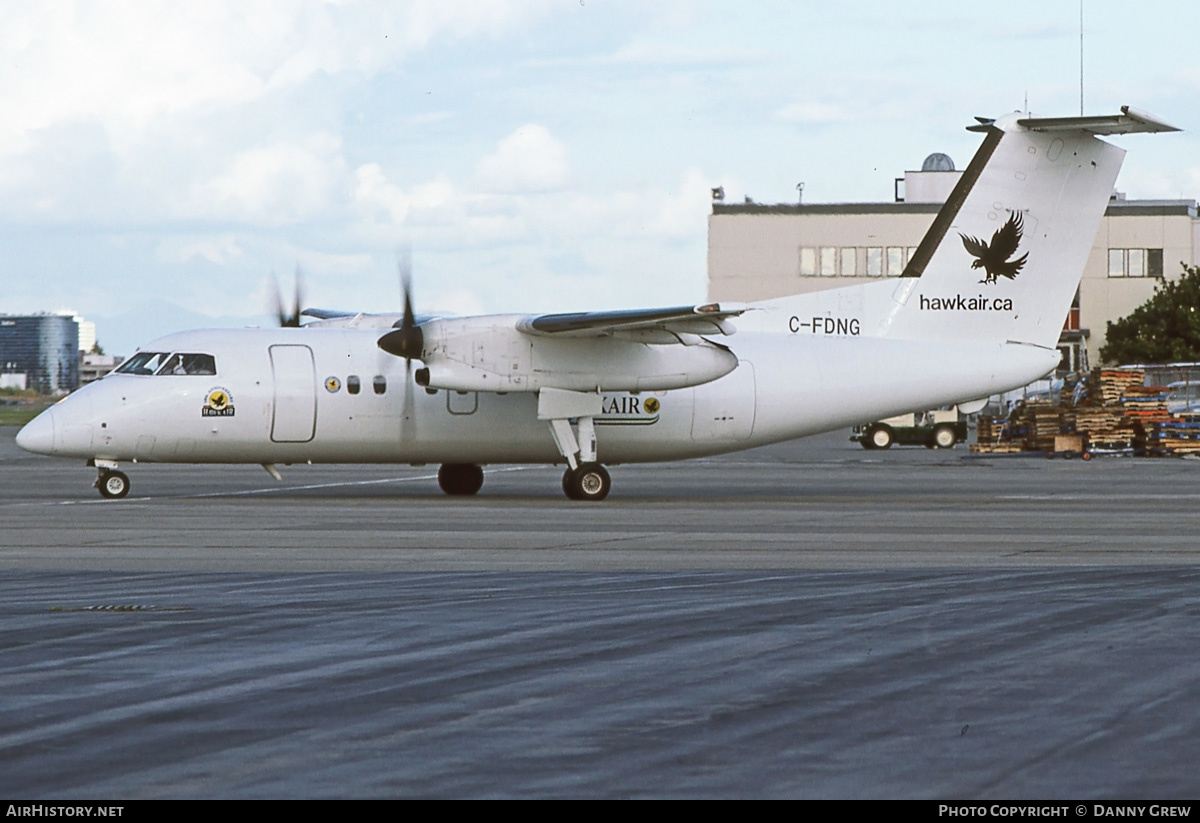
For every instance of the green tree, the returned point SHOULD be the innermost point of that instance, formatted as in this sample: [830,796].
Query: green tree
[1164,329]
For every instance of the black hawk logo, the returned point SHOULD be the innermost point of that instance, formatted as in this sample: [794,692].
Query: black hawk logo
[994,258]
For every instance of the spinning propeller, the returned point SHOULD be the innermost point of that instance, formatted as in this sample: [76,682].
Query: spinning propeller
[406,340]
[287,320]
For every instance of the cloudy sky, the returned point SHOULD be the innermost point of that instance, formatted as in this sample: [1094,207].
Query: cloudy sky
[159,160]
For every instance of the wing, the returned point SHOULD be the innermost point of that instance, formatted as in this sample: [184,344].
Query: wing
[651,325]
[332,318]
[328,314]
[1007,238]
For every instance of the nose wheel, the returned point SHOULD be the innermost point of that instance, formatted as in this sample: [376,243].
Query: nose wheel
[588,482]
[112,484]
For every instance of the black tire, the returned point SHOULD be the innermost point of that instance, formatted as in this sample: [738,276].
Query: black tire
[588,482]
[944,438]
[113,485]
[462,479]
[881,437]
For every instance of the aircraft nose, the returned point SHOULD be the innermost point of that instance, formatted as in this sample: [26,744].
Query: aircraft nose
[37,435]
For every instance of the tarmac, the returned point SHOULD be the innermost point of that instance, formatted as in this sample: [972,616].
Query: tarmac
[806,620]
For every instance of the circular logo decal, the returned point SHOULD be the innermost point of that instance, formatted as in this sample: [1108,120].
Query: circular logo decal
[651,405]
[218,403]
[332,384]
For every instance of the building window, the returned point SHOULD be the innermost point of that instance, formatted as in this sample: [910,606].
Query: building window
[1154,262]
[808,261]
[1135,263]
[895,261]
[1116,262]
[874,261]
[828,261]
[849,262]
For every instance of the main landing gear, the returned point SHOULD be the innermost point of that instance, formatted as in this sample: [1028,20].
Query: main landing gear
[571,416]
[590,481]
[460,478]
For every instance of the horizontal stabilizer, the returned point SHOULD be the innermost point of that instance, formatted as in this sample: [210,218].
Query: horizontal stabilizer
[1129,121]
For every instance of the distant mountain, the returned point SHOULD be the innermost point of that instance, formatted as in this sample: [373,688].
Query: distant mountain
[123,333]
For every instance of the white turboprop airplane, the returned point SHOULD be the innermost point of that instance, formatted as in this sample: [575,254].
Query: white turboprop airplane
[641,385]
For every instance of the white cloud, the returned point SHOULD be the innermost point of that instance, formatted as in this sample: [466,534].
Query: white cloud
[127,62]
[275,184]
[528,160]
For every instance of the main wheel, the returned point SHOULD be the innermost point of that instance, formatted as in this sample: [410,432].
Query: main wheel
[944,437]
[880,437]
[460,478]
[113,485]
[588,482]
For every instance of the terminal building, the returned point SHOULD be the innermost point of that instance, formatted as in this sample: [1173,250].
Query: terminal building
[44,348]
[759,251]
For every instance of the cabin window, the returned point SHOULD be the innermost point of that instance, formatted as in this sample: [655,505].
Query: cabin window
[190,364]
[144,362]
[379,384]
[353,384]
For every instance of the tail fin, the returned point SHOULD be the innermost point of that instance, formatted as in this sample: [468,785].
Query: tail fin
[1004,256]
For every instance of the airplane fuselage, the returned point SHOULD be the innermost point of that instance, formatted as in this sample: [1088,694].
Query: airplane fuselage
[283,396]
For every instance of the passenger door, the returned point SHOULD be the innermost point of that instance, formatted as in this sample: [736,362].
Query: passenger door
[294,417]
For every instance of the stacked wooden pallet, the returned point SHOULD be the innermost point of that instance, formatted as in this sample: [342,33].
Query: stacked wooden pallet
[1109,417]
[993,436]
[1113,384]
[1176,436]
[1119,415]
[1042,425]
[1098,420]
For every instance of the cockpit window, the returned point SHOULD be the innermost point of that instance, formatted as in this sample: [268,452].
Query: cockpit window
[190,364]
[144,362]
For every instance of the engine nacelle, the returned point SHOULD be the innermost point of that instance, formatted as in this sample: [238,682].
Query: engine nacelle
[490,354]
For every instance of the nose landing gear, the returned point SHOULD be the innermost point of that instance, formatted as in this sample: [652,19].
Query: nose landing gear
[112,484]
